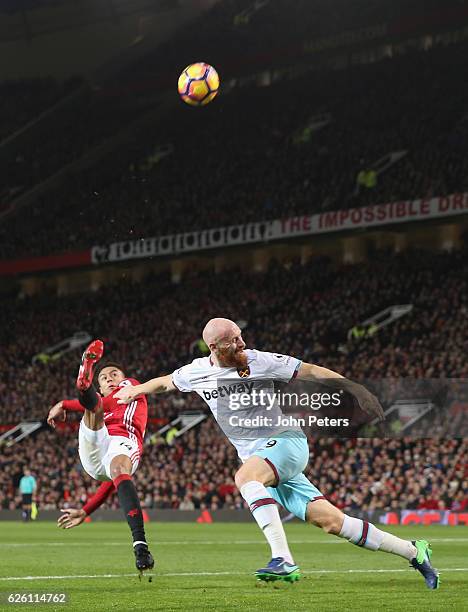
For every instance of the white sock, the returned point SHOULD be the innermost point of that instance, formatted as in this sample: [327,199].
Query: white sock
[397,546]
[265,512]
[369,536]
[274,533]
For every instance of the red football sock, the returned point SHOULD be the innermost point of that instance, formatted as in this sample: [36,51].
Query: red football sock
[130,504]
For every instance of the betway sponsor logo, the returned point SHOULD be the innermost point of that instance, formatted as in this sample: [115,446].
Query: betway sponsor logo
[227,390]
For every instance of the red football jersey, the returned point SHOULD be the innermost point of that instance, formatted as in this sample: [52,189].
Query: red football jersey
[128,420]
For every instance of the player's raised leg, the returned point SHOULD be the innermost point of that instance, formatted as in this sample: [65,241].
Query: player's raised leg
[252,479]
[84,382]
[118,467]
[362,533]
[91,401]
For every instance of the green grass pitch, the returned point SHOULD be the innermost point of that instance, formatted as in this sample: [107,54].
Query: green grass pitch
[209,567]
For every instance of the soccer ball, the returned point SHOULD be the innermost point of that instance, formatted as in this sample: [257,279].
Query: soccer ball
[198,84]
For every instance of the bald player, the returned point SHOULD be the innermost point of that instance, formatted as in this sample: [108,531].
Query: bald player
[272,465]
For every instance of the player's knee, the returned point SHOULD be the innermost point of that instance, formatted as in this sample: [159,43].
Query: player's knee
[332,525]
[118,468]
[244,476]
[257,469]
[329,524]
[240,479]
[326,516]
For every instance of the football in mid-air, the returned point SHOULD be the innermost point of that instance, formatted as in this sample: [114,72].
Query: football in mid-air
[198,84]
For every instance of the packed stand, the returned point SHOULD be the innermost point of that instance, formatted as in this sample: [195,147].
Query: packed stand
[151,327]
[196,472]
[250,156]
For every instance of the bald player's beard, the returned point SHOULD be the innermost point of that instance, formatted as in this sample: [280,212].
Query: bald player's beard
[232,359]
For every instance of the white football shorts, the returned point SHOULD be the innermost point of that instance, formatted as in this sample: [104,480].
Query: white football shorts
[98,448]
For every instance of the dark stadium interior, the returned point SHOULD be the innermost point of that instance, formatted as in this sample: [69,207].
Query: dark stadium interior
[113,155]
[253,147]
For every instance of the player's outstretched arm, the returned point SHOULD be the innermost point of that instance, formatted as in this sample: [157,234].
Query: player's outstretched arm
[366,400]
[72,517]
[56,413]
[59,411]
[162,384]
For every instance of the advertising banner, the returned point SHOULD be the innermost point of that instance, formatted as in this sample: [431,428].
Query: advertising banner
[282,229]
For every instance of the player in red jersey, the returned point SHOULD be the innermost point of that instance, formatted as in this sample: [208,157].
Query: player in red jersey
[110,443]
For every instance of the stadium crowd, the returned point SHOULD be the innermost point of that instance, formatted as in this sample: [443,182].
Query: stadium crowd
[252,155]
[231,167]
[196,472]
[150,329]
